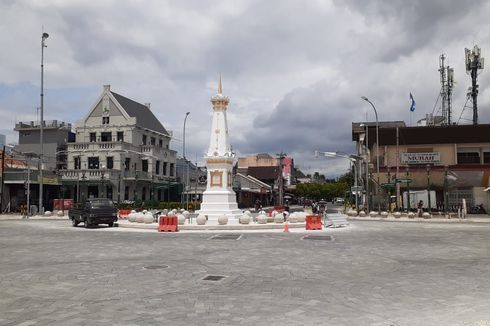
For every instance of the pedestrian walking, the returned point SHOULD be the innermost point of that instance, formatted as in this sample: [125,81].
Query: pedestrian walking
[23,211]
[420,208]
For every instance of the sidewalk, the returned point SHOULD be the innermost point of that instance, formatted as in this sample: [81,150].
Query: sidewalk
[16,216]
[471,218]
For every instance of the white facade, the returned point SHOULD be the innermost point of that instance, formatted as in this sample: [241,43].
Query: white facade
[118,154]
[219,199]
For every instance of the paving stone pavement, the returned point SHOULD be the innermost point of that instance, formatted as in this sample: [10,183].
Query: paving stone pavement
[371,273]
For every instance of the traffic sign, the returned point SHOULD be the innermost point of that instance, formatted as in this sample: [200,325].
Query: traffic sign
[403,180]
[388,185]
[358,188]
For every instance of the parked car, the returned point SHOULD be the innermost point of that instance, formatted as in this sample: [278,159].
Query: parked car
[94,211]
[338,201]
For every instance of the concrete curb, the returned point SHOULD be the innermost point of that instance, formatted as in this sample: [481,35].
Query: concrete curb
[422,220]
[237,227]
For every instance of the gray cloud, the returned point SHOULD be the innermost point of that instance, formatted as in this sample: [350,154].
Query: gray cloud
[294,71]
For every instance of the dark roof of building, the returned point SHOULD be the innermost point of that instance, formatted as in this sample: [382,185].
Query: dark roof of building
[299,174]
[144,117]
[264,155]
[263,172]
[454,134]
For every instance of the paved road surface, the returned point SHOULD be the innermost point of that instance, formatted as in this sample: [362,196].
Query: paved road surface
[371,273]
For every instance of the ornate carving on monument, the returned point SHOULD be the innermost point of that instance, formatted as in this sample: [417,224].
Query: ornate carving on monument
[216,178]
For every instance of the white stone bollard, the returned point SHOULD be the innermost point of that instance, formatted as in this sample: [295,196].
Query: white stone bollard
[384,214]
[262,219]
[223,220]
[362,213]
[293,217]
[201,219]
[244,219]
[60,213]
[411,215]
[278,218]
[301,217]
[397,214]
[426,215]
[373,213]
[140,217]
[181,219]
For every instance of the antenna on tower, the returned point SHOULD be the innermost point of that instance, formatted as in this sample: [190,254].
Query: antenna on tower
[447,84]
[474,62]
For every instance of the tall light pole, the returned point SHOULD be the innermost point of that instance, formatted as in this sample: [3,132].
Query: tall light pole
[377,148]
[44,36]
[186,165]
[354,159]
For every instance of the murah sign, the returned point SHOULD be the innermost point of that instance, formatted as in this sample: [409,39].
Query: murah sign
[420,158]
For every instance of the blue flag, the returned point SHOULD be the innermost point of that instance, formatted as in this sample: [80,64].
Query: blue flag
[412,106]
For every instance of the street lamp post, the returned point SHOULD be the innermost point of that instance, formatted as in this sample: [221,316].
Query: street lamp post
[427,167]
[377,148]
[354,159]
[446,199]
[408,190]
[186,164]
[44,36]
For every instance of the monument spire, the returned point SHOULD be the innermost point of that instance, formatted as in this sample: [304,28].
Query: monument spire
[219,199]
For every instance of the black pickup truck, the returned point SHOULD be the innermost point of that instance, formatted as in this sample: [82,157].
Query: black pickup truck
[94,211]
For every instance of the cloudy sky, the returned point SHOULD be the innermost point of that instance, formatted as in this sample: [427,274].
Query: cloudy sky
[293,70]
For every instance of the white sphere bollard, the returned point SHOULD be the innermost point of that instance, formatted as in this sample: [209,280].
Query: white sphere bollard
[293,217]
[132,217]
[60,213]
[244,219]
[397,214]
[148,219]
[140,218]
[181,219]
[165,211]
[223,220]
[48,213]
[279,218]
[426,215]
[411,215]
[262,219]
[384,214]
[248,212]
[186,214]
[201,219]
[301,216]
[373,213]
[362,213]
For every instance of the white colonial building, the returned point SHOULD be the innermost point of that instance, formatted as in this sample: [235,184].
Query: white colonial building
[121,152]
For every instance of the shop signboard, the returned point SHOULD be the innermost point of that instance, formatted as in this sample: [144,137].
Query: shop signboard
[421,158]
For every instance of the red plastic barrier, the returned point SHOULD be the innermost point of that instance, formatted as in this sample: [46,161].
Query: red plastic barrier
[62,204]
[313,222]
[168,224]
[123,213]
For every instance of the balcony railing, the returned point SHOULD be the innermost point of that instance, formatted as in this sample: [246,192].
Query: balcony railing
[92,174]
[101,146]
[47,124]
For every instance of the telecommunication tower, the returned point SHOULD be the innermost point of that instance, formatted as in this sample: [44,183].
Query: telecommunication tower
[447,84]
[474,62]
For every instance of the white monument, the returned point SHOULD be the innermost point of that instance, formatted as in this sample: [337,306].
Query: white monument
[219,199]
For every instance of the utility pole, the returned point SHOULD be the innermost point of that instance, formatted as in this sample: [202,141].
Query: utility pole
[280,183]
[43,45]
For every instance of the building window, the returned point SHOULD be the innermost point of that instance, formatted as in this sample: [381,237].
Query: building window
[92,137]
[127,163]
[160,143]
[172,167]
[144,165]
[120,136]
[93,163]
[157,167]
[144,139]
[164,168]
[105,120]
[486,157]
[77,163]
[143,194]
[106,136]
[110,162]
[152,141]
[468,156]
[159,194]
[126,193]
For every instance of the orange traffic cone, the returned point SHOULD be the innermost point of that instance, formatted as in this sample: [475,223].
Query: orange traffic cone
[286,227]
